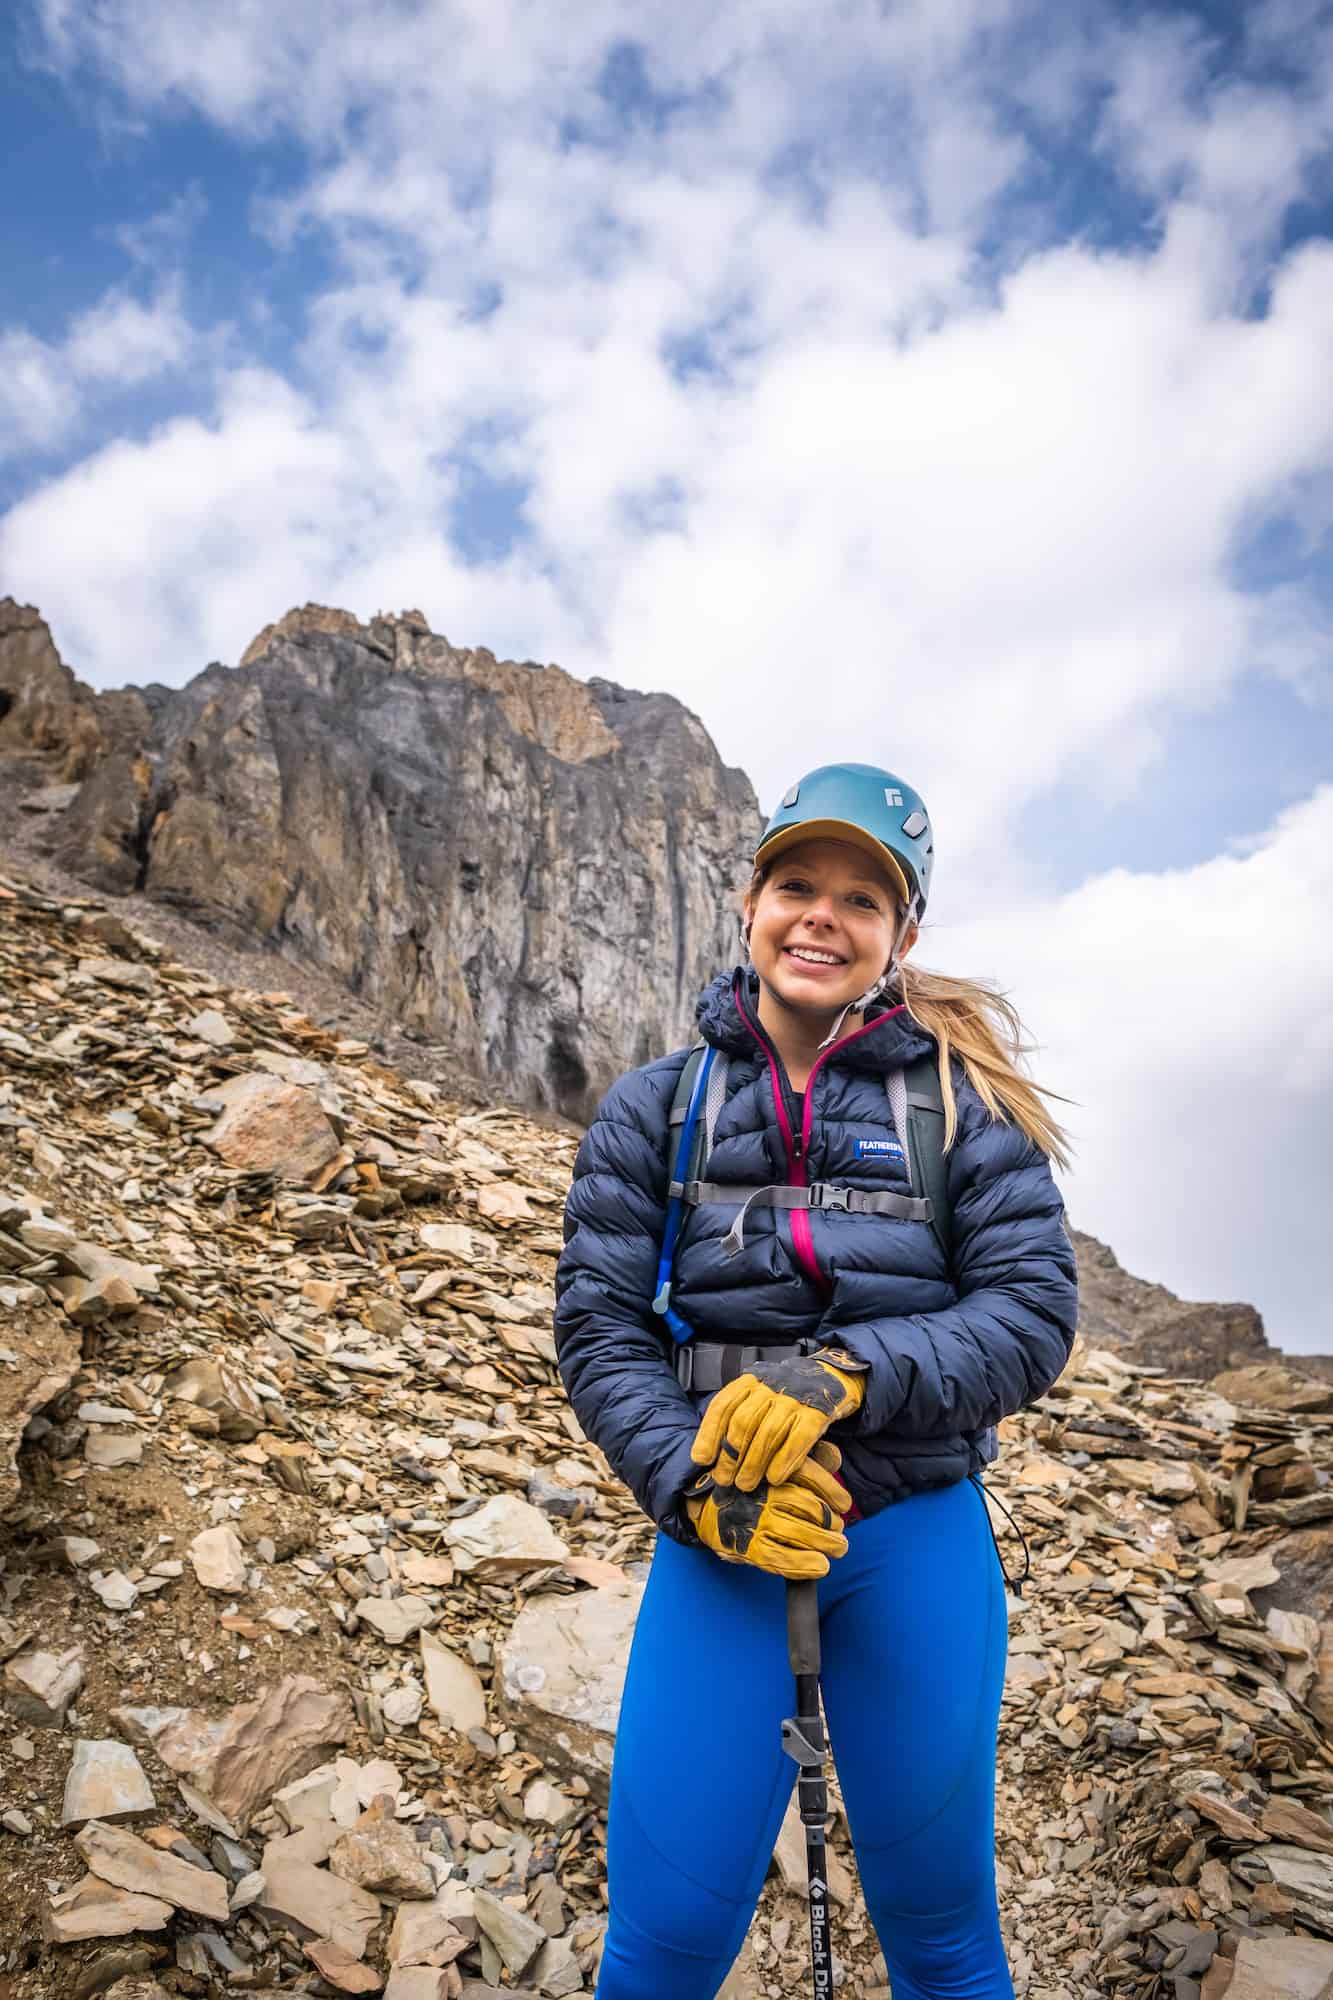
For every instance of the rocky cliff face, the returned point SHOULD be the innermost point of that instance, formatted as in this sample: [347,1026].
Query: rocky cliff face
[539,871]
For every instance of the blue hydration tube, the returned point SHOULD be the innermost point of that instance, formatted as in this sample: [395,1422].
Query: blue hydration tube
[680,1329]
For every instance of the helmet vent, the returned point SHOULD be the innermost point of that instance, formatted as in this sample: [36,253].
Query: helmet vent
[915,825]
[790,796]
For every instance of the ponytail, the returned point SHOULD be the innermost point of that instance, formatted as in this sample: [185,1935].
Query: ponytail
[980,1025]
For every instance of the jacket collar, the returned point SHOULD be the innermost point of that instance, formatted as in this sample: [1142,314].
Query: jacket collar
[900,1041]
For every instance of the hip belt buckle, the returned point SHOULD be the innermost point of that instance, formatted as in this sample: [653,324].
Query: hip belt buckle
[825,1195]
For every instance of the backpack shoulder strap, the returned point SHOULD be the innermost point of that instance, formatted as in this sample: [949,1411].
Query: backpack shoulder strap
[680,1104]
[701,1144]
[924,1141]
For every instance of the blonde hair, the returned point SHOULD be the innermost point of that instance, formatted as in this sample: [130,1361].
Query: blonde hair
[974,1021]
[979,1024]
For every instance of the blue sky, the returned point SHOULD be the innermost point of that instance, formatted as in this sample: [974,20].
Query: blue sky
[952,384]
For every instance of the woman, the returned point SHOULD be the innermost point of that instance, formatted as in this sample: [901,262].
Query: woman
[817,1326]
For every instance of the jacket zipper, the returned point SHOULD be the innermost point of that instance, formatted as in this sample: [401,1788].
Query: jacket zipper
[797,1144]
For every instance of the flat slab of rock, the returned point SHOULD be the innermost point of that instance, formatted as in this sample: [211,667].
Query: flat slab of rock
[426,1934]
[239,1758]
[348,1974]
[1307,1878]
[556,1969]
[126,973]
[504,1538]
[396,1619]
[38,1687]
[94,1909]
[129,1863]
[510,1930]
[1163,1480]
[106,1781]
[1275,1968]
[561,1675]
[109,1449]
[453,1687]
[419,1982]
[319,1904]
[100,1266]
[546,1804]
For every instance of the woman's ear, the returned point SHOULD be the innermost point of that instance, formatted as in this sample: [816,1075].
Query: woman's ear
[910,939]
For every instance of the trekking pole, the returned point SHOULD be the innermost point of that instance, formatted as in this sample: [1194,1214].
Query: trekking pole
[803,1740]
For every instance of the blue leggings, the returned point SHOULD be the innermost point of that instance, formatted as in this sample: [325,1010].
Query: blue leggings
[914,1633]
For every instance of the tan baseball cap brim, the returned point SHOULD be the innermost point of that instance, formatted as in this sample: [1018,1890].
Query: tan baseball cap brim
[836,829]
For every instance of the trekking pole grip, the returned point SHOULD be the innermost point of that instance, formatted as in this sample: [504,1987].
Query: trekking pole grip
[803,1627]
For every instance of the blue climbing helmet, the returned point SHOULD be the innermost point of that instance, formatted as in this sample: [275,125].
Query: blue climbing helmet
[871,808]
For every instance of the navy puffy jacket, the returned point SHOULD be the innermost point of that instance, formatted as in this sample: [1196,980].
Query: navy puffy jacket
[949,1350]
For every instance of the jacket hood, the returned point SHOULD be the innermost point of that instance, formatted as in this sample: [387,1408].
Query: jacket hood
[898,1042]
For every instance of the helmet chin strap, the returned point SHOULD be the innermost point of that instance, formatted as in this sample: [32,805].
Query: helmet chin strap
[881,985]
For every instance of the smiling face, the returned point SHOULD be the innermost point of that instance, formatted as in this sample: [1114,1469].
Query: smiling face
[822,926]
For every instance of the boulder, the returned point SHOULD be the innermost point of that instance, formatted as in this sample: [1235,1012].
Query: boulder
[268,1126]
[211,1384]
[380,1854]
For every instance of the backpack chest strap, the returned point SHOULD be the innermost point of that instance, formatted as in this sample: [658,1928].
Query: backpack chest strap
[819,1195]
[705,1366]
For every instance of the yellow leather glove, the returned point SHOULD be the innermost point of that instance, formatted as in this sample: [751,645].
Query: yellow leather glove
[763,1424]
[790,1530]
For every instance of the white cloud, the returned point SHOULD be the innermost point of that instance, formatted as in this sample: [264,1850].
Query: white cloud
[1190,1015]
[48,387]
[37,399]
[1248,146]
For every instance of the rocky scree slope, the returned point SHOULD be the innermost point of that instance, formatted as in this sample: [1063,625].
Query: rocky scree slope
[314,1602]
[532,869]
